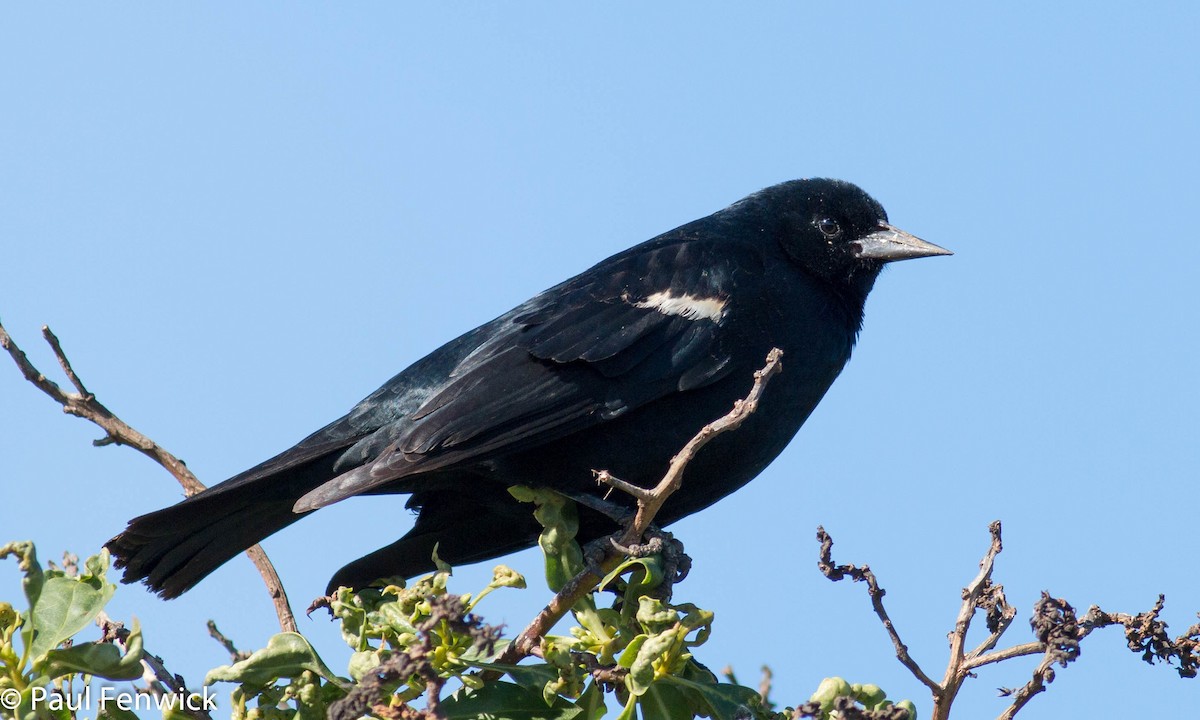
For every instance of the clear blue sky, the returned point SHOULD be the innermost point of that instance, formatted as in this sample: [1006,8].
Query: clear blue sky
[241,218]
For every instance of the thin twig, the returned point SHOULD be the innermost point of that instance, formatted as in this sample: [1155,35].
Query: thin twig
[956,670]
[56,346]
[235,655]
[764,686]
[1036,685]
[1000,616]
[279,598]
[566,598]
[876,593]
[610,675]
[649,503]
[84,404]
[1032,648]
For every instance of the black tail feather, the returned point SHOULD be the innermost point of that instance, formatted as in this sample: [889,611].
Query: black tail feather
[176,547]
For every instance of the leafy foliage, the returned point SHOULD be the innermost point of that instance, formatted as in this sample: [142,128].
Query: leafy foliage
[61,602]
[631,656]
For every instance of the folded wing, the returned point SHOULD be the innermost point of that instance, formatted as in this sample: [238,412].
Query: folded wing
[578,355]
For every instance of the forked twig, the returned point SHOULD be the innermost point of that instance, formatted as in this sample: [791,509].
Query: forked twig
[649,502]
[84,404]
[1054,622]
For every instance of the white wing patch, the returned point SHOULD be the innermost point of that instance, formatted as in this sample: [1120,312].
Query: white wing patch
[687,306]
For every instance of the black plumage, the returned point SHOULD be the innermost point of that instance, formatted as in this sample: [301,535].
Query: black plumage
[616,368]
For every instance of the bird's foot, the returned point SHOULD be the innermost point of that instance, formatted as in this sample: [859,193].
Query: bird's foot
[675,562]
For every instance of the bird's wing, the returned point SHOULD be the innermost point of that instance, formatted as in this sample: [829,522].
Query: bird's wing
[640,326]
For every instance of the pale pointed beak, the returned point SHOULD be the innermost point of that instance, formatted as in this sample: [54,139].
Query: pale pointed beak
[890,244]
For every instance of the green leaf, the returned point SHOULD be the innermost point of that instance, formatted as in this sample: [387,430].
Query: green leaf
[591,702]
[531,677]
[100,659]
[506,701]
[286,655]
[28,564]
[560,523]
[524,493]
[8,616]
[563,556]
[830,689]
[504,576]
[32,582]
[441,565]
[870,695]
[631,651]
[654,615]
[363,662]
[629,711]
[697,619]
[95,568]
[641,671]
[650,577]
[722,701]
[476,657]
[66,605]
[309,697]
[113,711]
[372,614]
[616,572]
[664,702]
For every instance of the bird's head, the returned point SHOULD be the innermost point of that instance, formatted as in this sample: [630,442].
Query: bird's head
[834,231]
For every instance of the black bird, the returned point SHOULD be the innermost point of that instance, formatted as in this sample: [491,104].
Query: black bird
[616,368]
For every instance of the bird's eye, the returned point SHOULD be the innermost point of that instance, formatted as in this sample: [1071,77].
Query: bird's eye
[829,228]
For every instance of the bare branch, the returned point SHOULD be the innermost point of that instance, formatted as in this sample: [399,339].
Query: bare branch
[764,686]
[235,655]
[84,404]
[279,598]
[977,593]
[1146,634]
[56,346]
[1054,623]
[1042,674]
[649,503]
[566,598]
[1059,633]
[864,574]
[610,675]
[1000,616]
[1015,651]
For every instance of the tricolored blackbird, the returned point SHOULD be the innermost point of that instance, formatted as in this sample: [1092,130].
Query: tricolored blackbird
[615,368]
